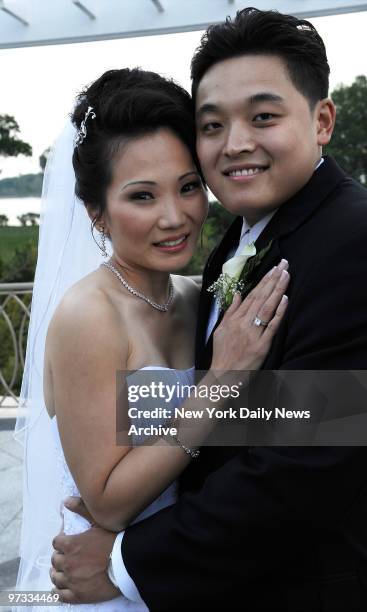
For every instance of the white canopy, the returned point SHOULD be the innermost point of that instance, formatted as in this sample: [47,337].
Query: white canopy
[46,22]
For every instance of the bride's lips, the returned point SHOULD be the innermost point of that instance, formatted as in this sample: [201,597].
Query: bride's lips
[244,172]
[179,243]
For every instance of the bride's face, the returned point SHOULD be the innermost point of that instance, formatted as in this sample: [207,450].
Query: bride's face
[156,203]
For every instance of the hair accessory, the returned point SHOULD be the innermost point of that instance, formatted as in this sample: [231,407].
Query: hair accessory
[82,132]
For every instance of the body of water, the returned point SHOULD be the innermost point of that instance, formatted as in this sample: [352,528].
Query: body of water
[12,207]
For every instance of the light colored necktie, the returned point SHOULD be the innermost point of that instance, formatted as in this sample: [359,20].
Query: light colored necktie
[244,241]
[215,310]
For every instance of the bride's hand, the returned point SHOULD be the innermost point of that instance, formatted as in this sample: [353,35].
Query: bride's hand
[77,505]
[239,344]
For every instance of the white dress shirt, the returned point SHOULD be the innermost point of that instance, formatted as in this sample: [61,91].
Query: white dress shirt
[249,234]
[125,583]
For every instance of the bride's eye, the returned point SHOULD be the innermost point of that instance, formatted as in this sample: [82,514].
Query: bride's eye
[191,186]
[211,126]
[141,195]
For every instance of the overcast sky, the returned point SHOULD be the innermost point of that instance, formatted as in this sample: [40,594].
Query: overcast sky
[38,84]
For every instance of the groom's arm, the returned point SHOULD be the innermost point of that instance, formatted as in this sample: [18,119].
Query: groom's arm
[256,515]
[253,515]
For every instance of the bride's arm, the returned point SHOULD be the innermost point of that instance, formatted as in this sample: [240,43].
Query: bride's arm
[118,482]
[85,347]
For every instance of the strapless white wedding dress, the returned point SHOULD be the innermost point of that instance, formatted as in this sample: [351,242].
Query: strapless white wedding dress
[73,523]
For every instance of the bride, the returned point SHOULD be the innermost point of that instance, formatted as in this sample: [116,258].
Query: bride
[134,167]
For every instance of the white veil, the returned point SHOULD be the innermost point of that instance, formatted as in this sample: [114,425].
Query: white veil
[66,253]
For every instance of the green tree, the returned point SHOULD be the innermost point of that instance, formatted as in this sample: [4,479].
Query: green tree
[43,158]
[22,220]
[4,220]
[349,141]
[28,219]
[217,222]
[10,144]
[33,218]
[21,267]
[22,186]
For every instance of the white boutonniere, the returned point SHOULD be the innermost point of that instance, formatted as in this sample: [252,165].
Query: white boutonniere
[235,275]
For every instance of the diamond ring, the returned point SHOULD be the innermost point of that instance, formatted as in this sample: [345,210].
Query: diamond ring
[259,322]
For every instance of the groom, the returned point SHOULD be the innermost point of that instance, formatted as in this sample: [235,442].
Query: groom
[261,528]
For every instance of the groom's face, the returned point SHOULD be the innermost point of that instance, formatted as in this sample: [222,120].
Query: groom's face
[258,139]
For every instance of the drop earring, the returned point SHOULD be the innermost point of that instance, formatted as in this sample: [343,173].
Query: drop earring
[102,246]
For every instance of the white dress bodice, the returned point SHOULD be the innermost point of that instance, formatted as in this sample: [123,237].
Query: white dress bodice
[73,523]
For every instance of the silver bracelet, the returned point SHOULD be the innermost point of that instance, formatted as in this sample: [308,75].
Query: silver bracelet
[193,453]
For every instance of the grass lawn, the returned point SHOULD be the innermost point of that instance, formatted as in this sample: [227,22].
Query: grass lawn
[12,237]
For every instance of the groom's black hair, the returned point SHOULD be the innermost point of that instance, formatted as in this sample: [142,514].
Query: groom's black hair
[255,32]
[128,103]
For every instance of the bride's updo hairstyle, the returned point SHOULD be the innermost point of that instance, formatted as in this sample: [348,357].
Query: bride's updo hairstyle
[127,104]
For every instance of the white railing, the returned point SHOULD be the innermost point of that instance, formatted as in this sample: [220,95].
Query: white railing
[15,299]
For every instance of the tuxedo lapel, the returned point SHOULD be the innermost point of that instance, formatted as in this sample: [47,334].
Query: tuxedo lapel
[272,258]
[303,204]
[211,272]
[291,215]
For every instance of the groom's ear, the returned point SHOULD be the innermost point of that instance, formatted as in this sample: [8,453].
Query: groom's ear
[325,114]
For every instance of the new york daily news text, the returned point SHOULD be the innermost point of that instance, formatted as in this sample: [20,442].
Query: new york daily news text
[252,408]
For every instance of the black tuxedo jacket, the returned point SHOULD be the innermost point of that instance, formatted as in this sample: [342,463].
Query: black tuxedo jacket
[277,528]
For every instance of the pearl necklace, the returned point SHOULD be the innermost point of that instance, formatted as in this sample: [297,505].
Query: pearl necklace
[162,307]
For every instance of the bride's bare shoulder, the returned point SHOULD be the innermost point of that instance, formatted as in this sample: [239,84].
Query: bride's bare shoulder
[85,310]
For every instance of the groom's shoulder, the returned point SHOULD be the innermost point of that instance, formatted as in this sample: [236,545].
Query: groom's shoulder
[330,184]
[349,186]
[348,190]
[348,204]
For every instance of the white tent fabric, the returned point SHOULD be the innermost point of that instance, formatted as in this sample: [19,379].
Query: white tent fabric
[36,22]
